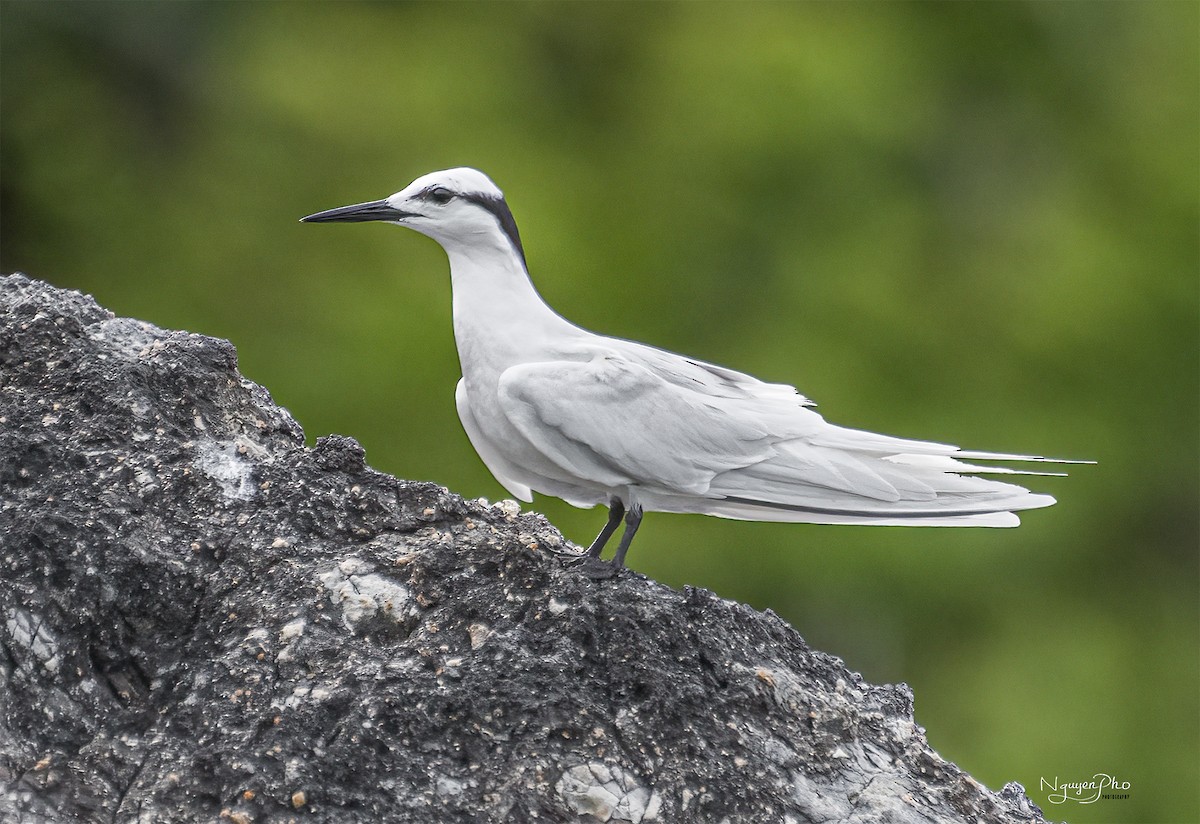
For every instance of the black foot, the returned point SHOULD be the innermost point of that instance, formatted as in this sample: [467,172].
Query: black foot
[595,568]
[574,559]
[589,562]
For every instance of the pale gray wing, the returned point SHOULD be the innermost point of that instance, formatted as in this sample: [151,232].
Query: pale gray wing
[615,422]
[627,414]
[617,419]
[705,378]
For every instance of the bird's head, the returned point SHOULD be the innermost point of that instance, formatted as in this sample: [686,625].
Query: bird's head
[456,207]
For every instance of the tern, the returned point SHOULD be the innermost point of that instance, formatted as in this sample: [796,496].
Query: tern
[594,420]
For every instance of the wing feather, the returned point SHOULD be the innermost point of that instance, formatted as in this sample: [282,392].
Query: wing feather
[612,420]
[701,438]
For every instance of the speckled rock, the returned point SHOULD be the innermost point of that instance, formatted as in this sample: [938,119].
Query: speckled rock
[203,620]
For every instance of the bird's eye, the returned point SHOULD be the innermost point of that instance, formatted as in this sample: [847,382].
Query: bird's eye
[439,195]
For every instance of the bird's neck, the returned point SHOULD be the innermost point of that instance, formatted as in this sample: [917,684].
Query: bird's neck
[498,315]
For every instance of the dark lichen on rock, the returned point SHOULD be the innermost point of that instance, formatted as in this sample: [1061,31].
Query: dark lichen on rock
[203,619]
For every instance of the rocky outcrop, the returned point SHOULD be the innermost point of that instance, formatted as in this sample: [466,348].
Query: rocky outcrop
[201,619]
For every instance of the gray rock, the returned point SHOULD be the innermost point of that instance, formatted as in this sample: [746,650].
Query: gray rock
[201,619]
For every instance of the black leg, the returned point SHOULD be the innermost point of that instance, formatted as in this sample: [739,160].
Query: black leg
[633,519]
[616,510]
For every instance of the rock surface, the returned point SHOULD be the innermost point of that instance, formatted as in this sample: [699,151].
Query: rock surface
[201,619]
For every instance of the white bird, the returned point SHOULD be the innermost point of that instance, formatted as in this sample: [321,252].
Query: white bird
[555,409]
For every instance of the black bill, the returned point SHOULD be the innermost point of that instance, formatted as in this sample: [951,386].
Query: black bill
[358,213]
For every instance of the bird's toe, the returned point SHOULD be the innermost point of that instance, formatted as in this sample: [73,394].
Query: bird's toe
[594,568]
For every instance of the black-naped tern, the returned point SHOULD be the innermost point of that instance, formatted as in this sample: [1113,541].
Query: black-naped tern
[555,409]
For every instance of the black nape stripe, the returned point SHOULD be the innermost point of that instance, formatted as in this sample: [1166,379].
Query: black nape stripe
[503,215]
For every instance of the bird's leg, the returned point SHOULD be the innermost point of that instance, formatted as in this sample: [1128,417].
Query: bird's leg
[633,519]
[616,510]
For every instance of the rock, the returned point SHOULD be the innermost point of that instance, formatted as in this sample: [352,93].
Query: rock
[201,619]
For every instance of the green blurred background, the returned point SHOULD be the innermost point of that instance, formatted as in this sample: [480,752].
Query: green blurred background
[975,223]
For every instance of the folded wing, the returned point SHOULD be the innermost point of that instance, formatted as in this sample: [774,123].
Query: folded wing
[692,437]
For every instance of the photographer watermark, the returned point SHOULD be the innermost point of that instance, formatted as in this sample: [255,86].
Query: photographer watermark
[1101,787]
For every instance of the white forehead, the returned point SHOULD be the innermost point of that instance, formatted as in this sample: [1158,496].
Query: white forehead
[463,180]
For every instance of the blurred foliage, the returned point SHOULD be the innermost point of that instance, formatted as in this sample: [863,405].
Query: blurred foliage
[975,223]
